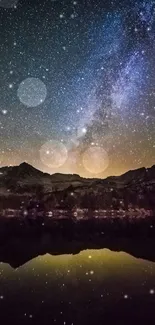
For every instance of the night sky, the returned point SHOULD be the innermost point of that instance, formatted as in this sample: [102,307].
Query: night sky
[77,85]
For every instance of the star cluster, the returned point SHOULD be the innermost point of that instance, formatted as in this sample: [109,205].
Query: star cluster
[77,80]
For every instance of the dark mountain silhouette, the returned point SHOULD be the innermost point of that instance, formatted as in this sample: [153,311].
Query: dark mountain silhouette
[135,188]
[18,251]
[23,170]
[25,174]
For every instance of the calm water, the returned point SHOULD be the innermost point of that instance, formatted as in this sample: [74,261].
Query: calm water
[93,287]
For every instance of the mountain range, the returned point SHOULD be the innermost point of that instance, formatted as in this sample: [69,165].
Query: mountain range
[18,251]
[135,188]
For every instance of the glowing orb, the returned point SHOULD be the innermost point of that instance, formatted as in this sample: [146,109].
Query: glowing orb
[8,3]
[95,160]
[4,111]
[32,92]
[53,154]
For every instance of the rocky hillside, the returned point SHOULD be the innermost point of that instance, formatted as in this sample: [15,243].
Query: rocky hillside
[23,183]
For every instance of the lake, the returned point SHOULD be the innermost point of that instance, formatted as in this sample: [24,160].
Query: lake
[92,287]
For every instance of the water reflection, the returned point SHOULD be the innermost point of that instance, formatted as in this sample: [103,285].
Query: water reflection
[78,289]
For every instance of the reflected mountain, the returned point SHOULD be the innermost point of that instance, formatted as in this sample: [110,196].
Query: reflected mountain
[18,251]
[92,287]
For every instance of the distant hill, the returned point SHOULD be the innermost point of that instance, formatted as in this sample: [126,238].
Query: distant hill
[134,188]
[24,178]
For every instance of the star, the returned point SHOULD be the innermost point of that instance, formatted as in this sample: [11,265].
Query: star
[4,111]
[91,272]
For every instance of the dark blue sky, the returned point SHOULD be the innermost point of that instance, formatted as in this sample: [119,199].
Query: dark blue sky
[78,80]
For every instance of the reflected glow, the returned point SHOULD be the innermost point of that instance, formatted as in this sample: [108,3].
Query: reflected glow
[76,282]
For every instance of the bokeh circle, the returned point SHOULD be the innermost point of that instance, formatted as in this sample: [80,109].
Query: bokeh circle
[95,160]
[53,154]
[32,92]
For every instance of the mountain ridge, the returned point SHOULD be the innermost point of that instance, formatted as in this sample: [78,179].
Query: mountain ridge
[27,166]
[66,191]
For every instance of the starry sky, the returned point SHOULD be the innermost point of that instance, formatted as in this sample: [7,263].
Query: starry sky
[77,85]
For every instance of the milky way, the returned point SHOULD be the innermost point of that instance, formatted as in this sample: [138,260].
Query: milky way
[79,74]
